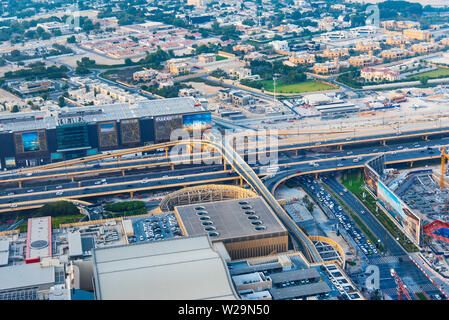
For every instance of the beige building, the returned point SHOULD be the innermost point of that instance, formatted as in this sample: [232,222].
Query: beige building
[395,53]
[416,34]
[326,67]
[207,57]
[243,47]
[367,46]
[178,68]
[333,53]
[304,59]
[379,74]
[445,42]
[396,40]
[425,47]
[363,60]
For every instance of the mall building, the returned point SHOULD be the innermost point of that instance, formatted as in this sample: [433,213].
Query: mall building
[34,138]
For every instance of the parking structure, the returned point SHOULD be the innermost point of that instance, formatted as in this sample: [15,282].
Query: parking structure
[154,228]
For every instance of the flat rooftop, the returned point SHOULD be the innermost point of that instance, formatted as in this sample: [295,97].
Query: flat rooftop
[300,291]
[294,275]
[230,219]
[23,121]
[39,243]
[25,275]
[175,269]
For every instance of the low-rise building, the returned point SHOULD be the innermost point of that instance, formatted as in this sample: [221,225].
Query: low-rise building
[367,46]
[417,34]
[363,60]
[425,47]
[179,68]
[280,45]
[379,74]
[395,53]
[326,67]
[395,40]
[333,53]
[302,58]
[207,58]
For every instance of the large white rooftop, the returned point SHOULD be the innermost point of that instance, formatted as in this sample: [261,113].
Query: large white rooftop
[175,269]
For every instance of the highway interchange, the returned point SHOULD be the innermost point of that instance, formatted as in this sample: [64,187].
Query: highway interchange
[155,172]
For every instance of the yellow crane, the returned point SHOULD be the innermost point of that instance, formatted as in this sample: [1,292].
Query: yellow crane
[444,156]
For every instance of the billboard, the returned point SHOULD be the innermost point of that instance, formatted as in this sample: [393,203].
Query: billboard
[10,162]
[90,152]
[56,156]
[200,120]
[107,135]
[163,127]
[130,131]
[399,211]
[30,141]
[371,178]
[107,127]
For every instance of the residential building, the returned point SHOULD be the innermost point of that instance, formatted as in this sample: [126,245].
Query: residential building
[302,58]
[416,34]
[367,46]
[363,60]
[333,53]
[371,74]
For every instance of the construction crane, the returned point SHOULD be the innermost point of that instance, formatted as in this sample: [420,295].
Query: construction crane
[444,156]
[401,286]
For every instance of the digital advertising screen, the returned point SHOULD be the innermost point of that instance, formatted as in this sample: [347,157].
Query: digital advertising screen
[197,121]
[107,127]
[30,141]
[56,156]
[90,152]
[165,125]
[371,178]
[399,211]
[10,162]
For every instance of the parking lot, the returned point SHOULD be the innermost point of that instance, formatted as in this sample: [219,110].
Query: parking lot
[322,197]
[153,228]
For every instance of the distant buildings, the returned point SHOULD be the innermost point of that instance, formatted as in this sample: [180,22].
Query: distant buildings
[416,34]
[425,47]
[395,53]
[326,67]
[371,74]
[333,53]
[302,58]
[363,60]
[280,45]
[367,46]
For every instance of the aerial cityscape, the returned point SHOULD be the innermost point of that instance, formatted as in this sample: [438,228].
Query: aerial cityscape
[224,150]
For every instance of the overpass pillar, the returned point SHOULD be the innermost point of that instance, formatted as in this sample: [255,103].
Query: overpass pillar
[411,164]
[383,142]
[296,152]
[172,166]
[131,193]
[20,184]
[425,138]
[73,178]
[119,158]
[241,182]
[340,147]
[224,164]
[166,152]
[123,172]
